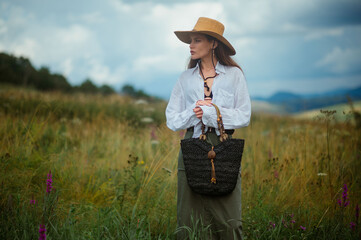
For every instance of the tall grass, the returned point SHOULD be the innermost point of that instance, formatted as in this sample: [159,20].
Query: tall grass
[114,175]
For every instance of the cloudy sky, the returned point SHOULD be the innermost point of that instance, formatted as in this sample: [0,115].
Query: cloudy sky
[302,46]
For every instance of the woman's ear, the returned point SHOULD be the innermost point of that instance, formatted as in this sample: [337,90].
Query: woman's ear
[215,44]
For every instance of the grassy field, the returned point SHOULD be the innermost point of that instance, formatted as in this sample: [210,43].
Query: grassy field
[104,167]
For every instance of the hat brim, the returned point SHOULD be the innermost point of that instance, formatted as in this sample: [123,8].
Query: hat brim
[184,36]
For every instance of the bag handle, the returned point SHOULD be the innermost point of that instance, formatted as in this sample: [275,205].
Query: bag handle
[224,135]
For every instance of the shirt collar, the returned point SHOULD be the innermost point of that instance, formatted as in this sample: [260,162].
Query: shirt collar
[219,68]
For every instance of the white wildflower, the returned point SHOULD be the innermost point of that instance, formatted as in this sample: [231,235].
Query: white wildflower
[154,142]
[147,120]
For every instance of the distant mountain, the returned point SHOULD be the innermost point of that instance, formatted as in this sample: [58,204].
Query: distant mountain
[281,97]
[297,102]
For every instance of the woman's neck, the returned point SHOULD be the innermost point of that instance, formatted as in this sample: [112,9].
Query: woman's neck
[207,64]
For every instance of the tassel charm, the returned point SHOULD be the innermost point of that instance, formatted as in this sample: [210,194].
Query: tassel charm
[212,155]
[213,179]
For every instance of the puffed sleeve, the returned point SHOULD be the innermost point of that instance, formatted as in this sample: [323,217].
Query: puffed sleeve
[237,116]
[179,116]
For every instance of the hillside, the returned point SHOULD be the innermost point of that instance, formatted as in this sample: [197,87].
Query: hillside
[343,112]
[266,107]
[112,165]
[295,103]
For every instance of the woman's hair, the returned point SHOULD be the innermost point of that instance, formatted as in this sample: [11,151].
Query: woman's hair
[221,53]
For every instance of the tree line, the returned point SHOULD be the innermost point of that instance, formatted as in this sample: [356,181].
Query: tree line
[19,71]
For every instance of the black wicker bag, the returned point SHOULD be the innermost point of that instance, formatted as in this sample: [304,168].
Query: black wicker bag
[212,170]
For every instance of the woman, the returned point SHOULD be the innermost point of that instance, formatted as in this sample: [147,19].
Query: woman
[212,76]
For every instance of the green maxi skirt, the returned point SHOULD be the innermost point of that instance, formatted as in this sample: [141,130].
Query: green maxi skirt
[222,214]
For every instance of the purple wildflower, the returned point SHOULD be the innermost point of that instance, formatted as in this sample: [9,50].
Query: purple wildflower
[32,200]
[343,202]
[339,202]
[353,226]
[292,221]
[49,182]
[276,174]
[303,228]
[153,134]
[273,225]
[42,232]
[344,196]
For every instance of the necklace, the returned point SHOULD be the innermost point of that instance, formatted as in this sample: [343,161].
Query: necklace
[205,79]
[200,69]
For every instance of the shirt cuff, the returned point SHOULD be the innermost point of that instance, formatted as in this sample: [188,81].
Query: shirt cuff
[209,117]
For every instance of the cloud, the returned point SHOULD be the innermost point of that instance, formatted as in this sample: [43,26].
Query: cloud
[54,45]
[149,62]
[102,74]
[67,66]
[303,85]
[341,60]
[94,17]
[323,33]
[117,41]
[160,50]
[281,17]
[3,28]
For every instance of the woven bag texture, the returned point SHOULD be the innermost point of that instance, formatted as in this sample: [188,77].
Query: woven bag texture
[198,166]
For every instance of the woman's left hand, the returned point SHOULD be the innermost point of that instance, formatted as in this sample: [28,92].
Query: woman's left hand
[197,110]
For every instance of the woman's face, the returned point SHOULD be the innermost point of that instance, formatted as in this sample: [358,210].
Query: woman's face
[200,47]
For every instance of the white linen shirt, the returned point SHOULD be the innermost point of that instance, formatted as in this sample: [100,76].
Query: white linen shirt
[230,94]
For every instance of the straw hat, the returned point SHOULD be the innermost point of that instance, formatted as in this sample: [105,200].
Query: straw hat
[207,26]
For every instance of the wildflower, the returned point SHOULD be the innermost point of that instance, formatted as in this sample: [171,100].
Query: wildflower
[76,121]
[353,226]
[141,101]
[273,225]
[49,182]
[146,120]
[303,228]
[153,135]
[42,232]
[292,221]
[344,201]
[344,196]
[276,174]
[321,174]
[32,201]
[154,142]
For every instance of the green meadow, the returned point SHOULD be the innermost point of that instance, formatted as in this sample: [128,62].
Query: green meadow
[105,167]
